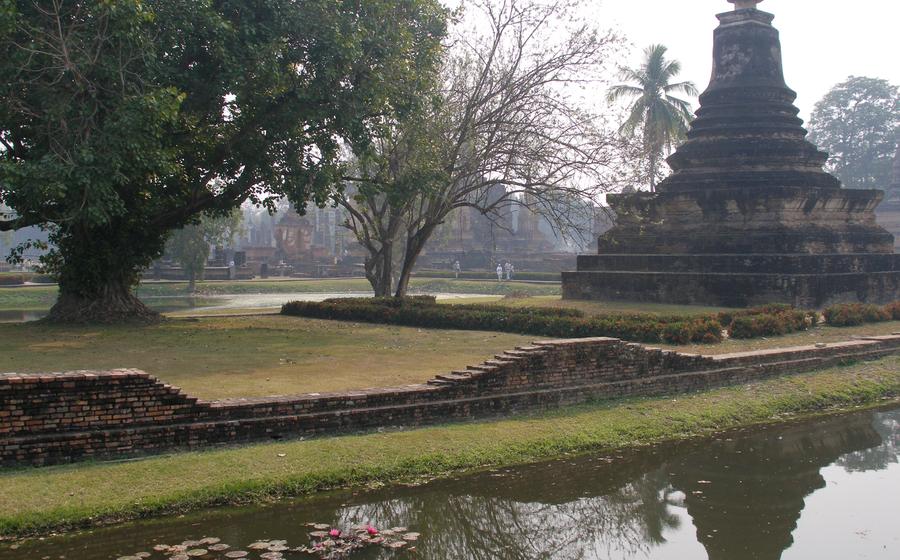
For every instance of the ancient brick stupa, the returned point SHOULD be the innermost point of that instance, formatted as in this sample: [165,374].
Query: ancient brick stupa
[748,215]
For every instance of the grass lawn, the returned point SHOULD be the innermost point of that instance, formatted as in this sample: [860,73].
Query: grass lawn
[36,500]
[254,356]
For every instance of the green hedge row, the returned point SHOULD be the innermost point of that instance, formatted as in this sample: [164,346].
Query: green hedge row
[853,314]
[540,321]
[423,311]
[768,320]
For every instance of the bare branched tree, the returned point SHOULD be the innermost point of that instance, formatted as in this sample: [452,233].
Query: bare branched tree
[508,126]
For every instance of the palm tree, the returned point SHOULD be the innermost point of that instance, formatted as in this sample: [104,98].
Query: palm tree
[663,117]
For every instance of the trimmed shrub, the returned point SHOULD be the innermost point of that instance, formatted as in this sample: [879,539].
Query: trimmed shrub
[853,314]
[894,310]
[541,321]
[774,319]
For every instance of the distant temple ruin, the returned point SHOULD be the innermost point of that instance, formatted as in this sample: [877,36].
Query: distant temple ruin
[316,243]
[748,216]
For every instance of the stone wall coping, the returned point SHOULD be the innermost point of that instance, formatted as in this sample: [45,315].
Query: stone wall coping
[795,349]
[883,338]
[120,373]
[576,341]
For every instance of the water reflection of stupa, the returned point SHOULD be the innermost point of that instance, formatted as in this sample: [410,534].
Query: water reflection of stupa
[746,495]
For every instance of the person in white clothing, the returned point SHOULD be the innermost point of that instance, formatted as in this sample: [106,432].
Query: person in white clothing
[499,273]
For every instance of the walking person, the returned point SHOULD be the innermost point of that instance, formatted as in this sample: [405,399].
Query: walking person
[499,272]
[509,271]
[456,269]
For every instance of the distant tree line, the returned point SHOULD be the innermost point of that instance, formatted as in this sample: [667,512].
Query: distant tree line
[858,124]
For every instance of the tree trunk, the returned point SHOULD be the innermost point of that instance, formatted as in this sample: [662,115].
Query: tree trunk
[379,270]
[97,271]
[653,164]
[113,302]
[414,246]
[192,282]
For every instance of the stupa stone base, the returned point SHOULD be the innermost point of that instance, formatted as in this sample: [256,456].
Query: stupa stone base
[770,219]
[806,281]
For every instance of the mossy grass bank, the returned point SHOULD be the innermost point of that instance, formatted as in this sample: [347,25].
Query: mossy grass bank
[37,501]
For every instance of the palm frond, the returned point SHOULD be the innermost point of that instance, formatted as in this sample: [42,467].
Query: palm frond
[618,92]
[685,88]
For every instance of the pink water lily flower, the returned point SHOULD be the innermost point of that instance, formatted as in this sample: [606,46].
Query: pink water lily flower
[371,530]
[335,533]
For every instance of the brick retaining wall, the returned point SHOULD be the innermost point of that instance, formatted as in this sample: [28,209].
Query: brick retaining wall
[63,417]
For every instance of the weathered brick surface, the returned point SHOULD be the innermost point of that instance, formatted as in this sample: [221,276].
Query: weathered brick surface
[62,417]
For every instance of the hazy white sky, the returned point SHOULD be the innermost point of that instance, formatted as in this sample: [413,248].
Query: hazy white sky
[823,41]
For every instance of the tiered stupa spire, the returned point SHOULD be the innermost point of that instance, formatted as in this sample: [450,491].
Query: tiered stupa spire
[749,215]
[747,132]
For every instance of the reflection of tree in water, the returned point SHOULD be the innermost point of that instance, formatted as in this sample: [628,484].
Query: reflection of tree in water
[745,495]
[887,424]
[579,516]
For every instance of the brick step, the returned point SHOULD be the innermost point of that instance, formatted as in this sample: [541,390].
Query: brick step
[453,377]
[498,363]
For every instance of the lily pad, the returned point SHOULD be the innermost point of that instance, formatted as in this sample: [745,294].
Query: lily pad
[210,540]
[181,556]
[219,547]
[260,545]
[271,556]
[196,552]
[321,526]
[277,548]
[411,536]
[236,554]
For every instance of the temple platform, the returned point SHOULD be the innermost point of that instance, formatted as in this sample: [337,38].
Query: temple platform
[736,280]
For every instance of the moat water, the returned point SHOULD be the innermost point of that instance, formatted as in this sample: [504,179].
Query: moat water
[822,490]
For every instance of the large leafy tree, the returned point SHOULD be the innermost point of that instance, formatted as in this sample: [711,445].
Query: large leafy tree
[654,108]
[123,120]
[857,123]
